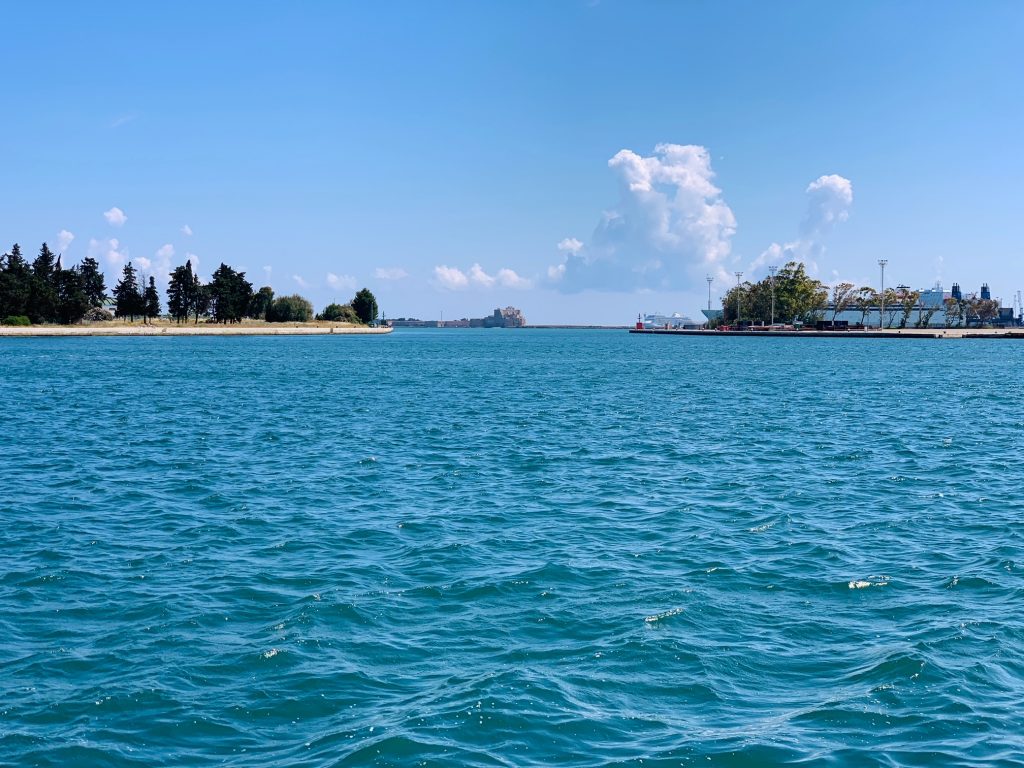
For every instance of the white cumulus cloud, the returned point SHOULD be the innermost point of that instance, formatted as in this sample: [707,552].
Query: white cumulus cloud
[192,259]
[570,244]
[186,230]
[341,281]
[453,278]
[300,281]
[509,279]
[479,277]
[390,273]
[829,199]
[670,226]
[115,216]
[64,239]
[450,277]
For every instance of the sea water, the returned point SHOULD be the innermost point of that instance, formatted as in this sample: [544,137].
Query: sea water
[511,548]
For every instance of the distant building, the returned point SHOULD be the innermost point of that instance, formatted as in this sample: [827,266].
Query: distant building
[509,317]
[929,311]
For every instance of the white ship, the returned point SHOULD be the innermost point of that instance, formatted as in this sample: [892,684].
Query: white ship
[675,320]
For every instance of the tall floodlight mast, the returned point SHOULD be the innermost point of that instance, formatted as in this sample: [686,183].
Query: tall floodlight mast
[738,276]
[881,311]
[772,270]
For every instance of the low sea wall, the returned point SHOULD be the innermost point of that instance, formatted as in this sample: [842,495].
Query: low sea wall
[283,329]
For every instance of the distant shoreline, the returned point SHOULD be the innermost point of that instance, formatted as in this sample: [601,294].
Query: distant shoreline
[578,327]
[241,329]
[883,333]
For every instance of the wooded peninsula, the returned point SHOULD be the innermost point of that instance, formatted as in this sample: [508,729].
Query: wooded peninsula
[43,291]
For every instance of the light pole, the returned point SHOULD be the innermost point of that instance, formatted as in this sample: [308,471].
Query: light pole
[710,280]
[881,310]
[738,276]
[772,271]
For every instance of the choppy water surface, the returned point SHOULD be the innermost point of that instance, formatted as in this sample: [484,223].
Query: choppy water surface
[511,548]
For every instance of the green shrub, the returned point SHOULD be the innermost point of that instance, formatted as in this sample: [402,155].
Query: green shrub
[17,320]
[342,313]
[290,309]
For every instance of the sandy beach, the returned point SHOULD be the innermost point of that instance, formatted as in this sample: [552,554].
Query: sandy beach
[171,329]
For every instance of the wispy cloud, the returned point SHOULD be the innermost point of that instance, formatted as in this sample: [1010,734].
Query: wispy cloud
[109,251]
[390,273]
[115,216]
[341,281]
[186,230]
[300,281]
[117,122]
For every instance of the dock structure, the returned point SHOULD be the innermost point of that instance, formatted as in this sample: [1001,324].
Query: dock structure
[875,333]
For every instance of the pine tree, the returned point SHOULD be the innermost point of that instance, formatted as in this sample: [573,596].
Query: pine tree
[151,300]
[178,305]
[42,299]
[72,302]
[92,282]
[15,283]
[261,302]
[230,295]
[202,299]
[127,297]
[365,305]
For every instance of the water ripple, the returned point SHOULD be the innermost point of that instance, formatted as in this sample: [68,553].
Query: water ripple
[510,549]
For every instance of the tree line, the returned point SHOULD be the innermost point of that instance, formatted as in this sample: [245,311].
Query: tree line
[801,298]
[43,291]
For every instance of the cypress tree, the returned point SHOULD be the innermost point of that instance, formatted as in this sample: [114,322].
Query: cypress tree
[179,289]
[151,300]
[127,297]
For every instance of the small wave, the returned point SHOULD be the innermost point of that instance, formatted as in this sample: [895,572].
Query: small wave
[659,616]
[871,581]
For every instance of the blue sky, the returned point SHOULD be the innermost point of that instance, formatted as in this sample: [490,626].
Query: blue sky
[439,153]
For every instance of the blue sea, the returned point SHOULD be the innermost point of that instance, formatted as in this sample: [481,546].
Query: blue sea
[511,548]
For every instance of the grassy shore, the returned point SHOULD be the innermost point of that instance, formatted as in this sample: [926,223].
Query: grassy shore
[165,328]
